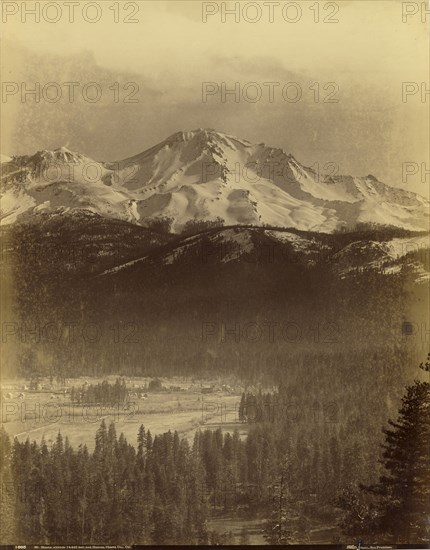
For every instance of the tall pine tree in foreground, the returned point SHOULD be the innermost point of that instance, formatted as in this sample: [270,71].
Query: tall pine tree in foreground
[396,509]
[278,529]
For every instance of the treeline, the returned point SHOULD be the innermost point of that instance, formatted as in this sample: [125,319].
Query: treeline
[103,393]
[165,491]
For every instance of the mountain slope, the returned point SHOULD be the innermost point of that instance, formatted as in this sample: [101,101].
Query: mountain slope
[170,296]
[204,175]
[281,249]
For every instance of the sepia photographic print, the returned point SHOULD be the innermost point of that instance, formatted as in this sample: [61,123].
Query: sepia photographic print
[215,268]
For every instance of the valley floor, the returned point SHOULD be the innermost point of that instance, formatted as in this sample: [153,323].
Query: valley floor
[44,413]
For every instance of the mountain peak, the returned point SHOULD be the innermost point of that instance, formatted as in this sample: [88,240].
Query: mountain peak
[206,135]
[59,155]
[63,149]
[191,134]
[206,175]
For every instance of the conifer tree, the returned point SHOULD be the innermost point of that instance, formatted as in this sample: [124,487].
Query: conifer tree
[403,490]
[278,529]
[396,508]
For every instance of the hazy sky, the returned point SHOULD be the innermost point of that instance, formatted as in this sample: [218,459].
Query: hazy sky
[169,52]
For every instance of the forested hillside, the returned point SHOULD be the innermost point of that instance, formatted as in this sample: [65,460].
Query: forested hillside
[165,491]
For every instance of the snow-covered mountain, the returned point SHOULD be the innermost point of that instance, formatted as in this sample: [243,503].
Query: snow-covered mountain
[203,175]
